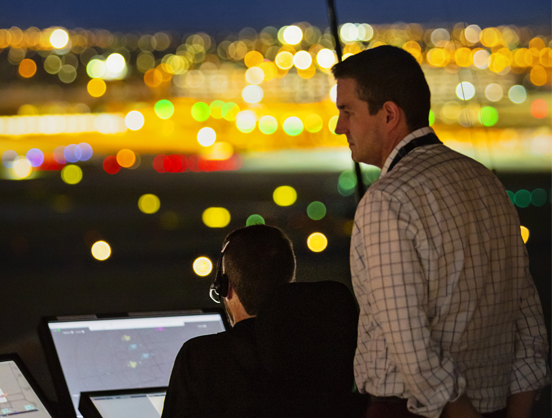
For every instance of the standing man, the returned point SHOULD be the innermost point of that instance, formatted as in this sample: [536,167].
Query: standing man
[451,323]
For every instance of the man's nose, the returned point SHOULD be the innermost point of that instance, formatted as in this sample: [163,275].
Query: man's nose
[340,127]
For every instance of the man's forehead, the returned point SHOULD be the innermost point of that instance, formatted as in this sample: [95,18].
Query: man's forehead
[346,91]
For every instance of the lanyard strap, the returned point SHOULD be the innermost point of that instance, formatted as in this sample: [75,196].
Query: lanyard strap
[429,139]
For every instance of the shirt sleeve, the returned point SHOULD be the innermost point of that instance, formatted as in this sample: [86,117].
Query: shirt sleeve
[179,401]
[397,289]
[530,370]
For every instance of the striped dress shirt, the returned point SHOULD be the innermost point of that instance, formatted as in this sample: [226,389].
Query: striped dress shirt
[447,303]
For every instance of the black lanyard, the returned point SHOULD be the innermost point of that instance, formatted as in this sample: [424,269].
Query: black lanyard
[429,139]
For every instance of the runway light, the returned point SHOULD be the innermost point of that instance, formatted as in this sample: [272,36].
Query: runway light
[316,210]
[101,250]
[206,137]
[524,233]
[59,38]
[216,217]
[255,220]
[71,174]
[317,242]
[149,203]
[134,120]
[126,158]
[202,266]
[164,109]
[284,196]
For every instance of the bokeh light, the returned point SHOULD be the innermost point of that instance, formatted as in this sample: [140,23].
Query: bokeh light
[96,87]
[134,120]
[101,250]
[201,111]
[293,126]
[494,92]
[284,196]
[538,197]
[317,242]
[313,123]
[524,233]
[465,90]
[216,109]
[522,198]
[71,174]
[86,151]
[202,266]
[252,94]
[9,157]
[95,68]
[230,111]
[35,157]
[517,94]
[254,75]
[164,109]
[149,203]
[72,153]
[293,35]
[110,165]
[206,137]
[216,217]
[22,168]
[59,38]
[27,68]
[254,220]
[346,183]
[284,60]
[326,58]
[539,109]
[115,63]
[126,158]
[316,210]
[268,124]
[488,116]
[302,60]
[246,121]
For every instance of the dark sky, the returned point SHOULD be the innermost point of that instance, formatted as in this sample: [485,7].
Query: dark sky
[215,15]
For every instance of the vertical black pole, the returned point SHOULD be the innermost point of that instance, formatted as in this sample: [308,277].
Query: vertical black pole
[333,26]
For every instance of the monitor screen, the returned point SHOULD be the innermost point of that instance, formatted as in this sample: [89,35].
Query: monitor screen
[130,405]
[17,396]
[124,353]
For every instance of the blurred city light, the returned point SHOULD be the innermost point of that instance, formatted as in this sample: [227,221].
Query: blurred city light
[101,250]
[216,217]
[71,174]
[284,196]
[317,242]
[202,266]
[149,203]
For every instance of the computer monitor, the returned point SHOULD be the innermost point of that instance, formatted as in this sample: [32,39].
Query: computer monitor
[19,392]
[91,353]
[128,403]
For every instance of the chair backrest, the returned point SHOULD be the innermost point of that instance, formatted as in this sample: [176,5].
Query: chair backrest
[306,338]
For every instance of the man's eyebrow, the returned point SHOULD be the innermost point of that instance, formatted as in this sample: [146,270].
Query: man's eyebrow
[342,106]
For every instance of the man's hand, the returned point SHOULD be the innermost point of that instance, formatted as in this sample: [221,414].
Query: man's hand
[519,404]
[461,408]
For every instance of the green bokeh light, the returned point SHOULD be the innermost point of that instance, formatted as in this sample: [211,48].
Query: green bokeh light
[346,183]
[370,173]
[522,198]
[164,109]
[316,210]
[95,68]
[293,126]
[229,111]
[255,220]
[268,125]
[511,196]
[216,109]
[538,197]
[488,116]
[201,111]
[431,118]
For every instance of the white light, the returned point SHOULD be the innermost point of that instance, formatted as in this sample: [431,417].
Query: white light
[134,120]
[302,60]
[59,38]
[325,58]
[252,94]
[22,168]
[101,250]
[481,59]
[206,137]
[333,93]
[465,90]
[517,94]
[293,35]
[115,63]
[254,75]
[472,33]
[494,92]
[348,32]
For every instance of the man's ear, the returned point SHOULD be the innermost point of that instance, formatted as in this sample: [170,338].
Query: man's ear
[393,114]
[230,293]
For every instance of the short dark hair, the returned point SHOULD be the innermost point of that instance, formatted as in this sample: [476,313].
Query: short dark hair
[258,259]
[388,73]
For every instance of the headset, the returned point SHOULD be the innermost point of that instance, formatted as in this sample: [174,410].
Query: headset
[219,287]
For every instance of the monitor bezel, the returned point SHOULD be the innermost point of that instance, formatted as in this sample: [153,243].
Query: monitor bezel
[52,359]
[31,380]
[88,408]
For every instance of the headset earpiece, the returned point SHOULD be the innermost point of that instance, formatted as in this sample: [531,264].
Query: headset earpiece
[220,284]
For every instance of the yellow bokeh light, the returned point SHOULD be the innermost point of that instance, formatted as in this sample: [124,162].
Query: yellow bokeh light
[22,168]
[59,38]
[302,60]
[293,35]
[202,266]
[96,87]
[254,75]
[332,124]
[284,196]
[149,203]
[284,60]
[27,68]
[313,123]
[538,76]
[101,250]
[71,174]
[524,233]
[216,217]
[126,158]
[253,59]
[134,120]
[317,242]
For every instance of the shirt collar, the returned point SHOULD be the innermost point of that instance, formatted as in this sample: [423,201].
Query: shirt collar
[415,134]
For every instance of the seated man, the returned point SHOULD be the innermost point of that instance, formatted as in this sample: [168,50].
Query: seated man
[291,349]
[216,374]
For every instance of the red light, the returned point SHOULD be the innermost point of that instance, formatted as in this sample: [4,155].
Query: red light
[50,163]
[539,109]
[110,165]
[158,163]
[193,163]
[175,163]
